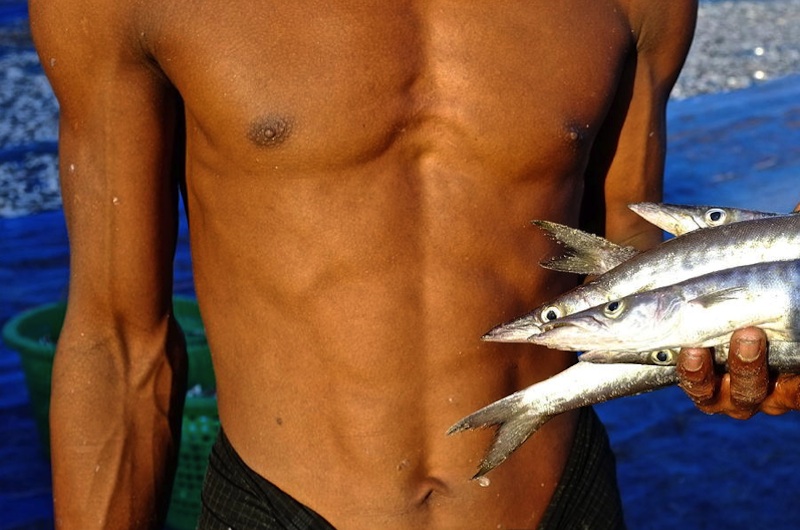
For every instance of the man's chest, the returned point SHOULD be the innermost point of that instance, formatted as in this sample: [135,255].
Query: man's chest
[348,81]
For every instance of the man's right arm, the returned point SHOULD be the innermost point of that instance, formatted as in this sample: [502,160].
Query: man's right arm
[120,367]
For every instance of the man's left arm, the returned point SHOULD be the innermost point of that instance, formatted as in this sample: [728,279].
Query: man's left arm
[627,166]
[627,161]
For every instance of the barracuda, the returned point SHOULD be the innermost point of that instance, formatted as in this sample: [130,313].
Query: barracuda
[593,255]
[523,413]
[702,311]
[784,357]
[599,377]
[696,253]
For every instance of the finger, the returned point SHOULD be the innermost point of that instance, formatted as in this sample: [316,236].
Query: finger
[797,208]
[747,366]
[696,375]
[784,397]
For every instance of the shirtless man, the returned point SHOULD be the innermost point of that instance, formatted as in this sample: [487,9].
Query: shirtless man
[360,177]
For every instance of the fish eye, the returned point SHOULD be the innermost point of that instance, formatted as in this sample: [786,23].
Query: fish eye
[551,313]
[663,357]
[715,216]
[614,309]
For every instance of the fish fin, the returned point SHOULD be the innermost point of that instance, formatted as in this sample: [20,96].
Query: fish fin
[724,295]
[516,423]
[585,253]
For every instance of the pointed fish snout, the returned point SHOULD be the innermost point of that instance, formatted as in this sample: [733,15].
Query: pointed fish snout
[516,331]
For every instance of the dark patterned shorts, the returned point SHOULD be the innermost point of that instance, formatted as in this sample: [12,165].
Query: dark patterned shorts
[235,497]
[587,495]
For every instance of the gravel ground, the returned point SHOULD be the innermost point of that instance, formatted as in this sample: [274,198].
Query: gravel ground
[741,43]
[737,44]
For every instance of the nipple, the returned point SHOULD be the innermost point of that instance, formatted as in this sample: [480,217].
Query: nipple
[575,134]
[269,131]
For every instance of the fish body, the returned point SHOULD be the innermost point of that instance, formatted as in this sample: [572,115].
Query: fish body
[783,357]
[678,219]
[599,377]
[694,254]
[593,255]
[521,414]
[702,311]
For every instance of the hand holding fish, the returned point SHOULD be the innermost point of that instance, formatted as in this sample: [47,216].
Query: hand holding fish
[741,392]
[672,314]
[747,388]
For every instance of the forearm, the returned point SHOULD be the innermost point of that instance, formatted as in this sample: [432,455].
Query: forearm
[115,428]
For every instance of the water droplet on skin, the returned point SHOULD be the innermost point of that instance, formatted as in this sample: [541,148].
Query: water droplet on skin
[115,200]
[483,482]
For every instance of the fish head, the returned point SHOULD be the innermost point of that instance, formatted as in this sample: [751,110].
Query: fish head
[674,219]
[624,325]
[679,219]
[531,324]
[518,330]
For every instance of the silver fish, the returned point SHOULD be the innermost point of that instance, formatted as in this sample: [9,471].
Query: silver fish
[784,357]
[702,311]
[616,375]
[696,253]
[522,413]
[594,255]
[678,220]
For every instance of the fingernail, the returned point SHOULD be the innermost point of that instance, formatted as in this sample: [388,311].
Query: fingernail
[748,350]
[693,363]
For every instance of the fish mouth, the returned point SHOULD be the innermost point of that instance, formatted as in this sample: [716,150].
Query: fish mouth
[656,213]
[568,333]
[519,330]
[566,323]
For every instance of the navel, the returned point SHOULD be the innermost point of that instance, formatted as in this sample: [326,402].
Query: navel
[269,131]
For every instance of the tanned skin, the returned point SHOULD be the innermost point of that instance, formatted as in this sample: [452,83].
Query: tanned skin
[360,180]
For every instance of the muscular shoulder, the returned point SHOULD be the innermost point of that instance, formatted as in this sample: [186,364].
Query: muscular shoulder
[82,23]
[78,37]
[662,31]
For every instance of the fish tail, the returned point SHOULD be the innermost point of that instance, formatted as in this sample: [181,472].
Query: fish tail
[585,253]
[515,424]
[510,435]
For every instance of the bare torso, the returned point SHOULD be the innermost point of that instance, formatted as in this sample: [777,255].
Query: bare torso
[360,184]
[360,177]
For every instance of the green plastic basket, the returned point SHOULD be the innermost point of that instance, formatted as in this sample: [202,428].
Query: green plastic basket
[33,334]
